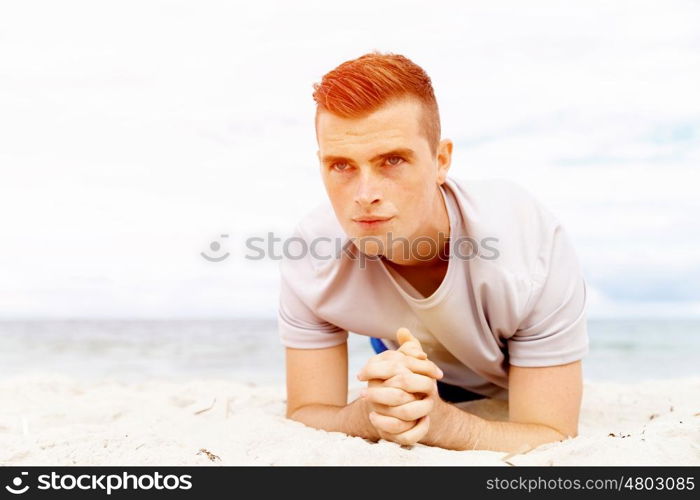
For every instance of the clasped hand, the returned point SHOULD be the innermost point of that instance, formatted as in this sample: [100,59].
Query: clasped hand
[401,390]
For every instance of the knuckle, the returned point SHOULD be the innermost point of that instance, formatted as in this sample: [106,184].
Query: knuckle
[375,362]
[396,365]
[402,397]
[400,412]
[396,425]
[406,441]
[388,395]
[403,426]
[387,398]
[392,425]
[389,355]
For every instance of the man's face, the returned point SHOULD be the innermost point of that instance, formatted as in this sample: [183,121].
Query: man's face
[381,167]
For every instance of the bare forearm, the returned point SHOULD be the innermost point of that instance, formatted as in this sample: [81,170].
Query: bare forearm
[456,429]
[350,419]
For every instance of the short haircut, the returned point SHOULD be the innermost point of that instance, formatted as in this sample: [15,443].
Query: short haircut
[360,86]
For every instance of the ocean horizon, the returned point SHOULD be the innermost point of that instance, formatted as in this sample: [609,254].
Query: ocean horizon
[249,350]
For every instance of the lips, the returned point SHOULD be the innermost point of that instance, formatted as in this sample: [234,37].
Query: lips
[368,222]
[374,218]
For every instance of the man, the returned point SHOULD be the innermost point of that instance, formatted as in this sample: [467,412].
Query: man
[474,284]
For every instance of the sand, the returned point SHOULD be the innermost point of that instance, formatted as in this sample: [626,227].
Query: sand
[53,419]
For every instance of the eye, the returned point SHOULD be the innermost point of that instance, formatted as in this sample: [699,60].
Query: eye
[394,160]
[340,166]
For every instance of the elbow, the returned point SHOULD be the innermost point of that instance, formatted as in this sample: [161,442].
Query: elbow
[566,433]
[570,430]
[290,413]
[572,434]
[293,411]
[560,433]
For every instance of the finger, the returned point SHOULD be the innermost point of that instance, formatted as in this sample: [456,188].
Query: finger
[382,370]
[423,367]
[404,335]
[412,382]
[408,412]
[389,396]
[376,383]
[410,345]
[414,434]
[412,349]
[387,369]
[389,425]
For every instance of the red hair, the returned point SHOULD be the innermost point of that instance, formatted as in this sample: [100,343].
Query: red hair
[360,86]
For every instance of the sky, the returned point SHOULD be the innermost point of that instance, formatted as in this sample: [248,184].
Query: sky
[134,134]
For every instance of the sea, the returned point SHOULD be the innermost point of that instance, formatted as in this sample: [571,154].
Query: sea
[249,350]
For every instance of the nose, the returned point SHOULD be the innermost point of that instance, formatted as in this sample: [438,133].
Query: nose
[368,192]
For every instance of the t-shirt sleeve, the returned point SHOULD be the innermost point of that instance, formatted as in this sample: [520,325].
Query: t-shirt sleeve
[298,326]
[554,330]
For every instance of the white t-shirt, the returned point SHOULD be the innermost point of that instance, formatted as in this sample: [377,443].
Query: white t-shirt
[520,301]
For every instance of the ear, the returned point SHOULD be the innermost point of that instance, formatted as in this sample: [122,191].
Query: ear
[444,159]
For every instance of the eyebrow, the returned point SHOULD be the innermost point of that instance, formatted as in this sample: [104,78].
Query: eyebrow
[406,152]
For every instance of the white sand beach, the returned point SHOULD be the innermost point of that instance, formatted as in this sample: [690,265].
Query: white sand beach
[52,419]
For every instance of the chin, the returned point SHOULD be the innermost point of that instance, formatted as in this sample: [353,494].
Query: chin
[370,245]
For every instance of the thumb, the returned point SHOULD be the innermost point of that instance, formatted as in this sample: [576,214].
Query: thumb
[404,335]
[409,344]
